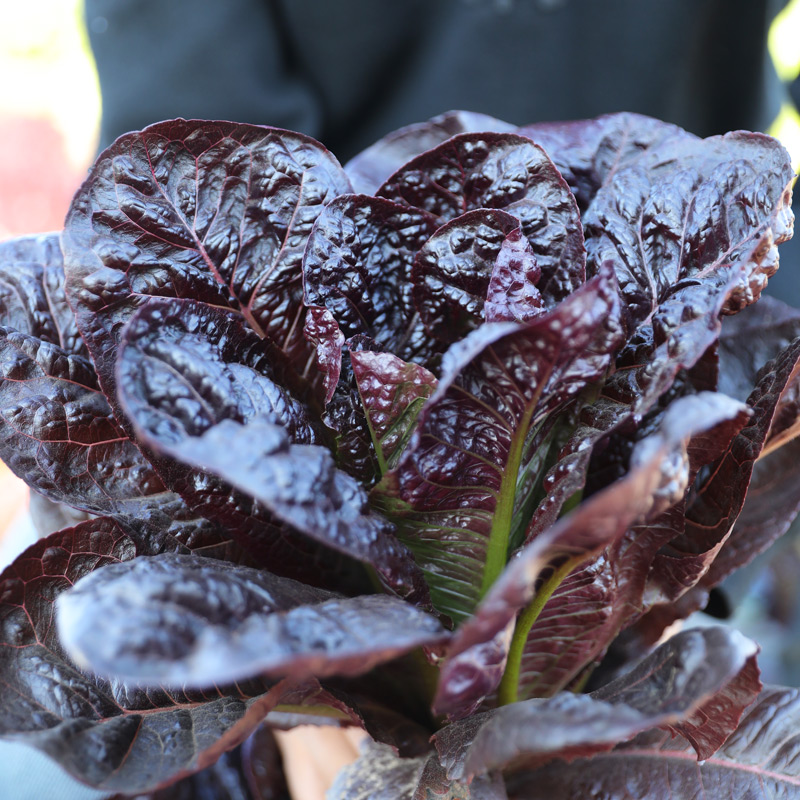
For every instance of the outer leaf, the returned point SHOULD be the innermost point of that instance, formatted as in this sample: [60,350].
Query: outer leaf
[358,266]
[759,760]
[507,172]
[594,602]
[32,297]
[210,211]
[588,153]
[184,620]
[253,771]
[370,168]
[657,478]
[456,483]
[686,211]
[719,500]
[685,679]
[380,775]
[393,393]
[300,486]
[58,433]
[184,368]
[688,326]
[752,338]
[109,735]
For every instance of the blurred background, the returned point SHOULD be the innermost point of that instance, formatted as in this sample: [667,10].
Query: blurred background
[52,121]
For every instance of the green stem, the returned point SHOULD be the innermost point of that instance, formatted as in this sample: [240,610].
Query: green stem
[497,546]
[508,690]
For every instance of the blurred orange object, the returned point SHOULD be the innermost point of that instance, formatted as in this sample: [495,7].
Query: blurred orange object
[37,179]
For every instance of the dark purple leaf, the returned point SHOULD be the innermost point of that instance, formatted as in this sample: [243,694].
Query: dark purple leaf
[752,338]
[507,172]
[453,270]
[646,370]
[370,168]
[772,503]
[688,210]
[253,771]
[512,293]
[208,211]
[602,596]
[588,153]
[687,680]
[300,486]
[345,416]
[32,297]
[584,622]
[392,392]
[183,369]
[58,434]
[110,735]
[324,333]
[380,775]
[759,760]
[719,499]
[189,621]
[454,491]
[358,265]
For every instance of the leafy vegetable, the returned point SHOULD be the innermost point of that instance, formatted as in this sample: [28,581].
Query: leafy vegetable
[412,459]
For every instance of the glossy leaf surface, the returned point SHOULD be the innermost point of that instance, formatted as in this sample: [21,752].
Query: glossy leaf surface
[588,153]
[689,209]
[109,735]
[758,760]
[454,268]
[184,620]
[358,266]
[32,297]
[393,392]
[208,211]
[506,172]
[184,369]
[457,481]
[370,168]
[684,680]
[582,623]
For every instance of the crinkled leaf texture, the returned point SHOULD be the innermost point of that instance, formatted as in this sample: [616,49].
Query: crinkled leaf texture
[254,348]
[186,620]
[110,735]
[759,760]
[210,211]
[202,392]
[697,683]
[506,172]
[370,168]
[457,480]
[657,478]
[57,431]
[380,775]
